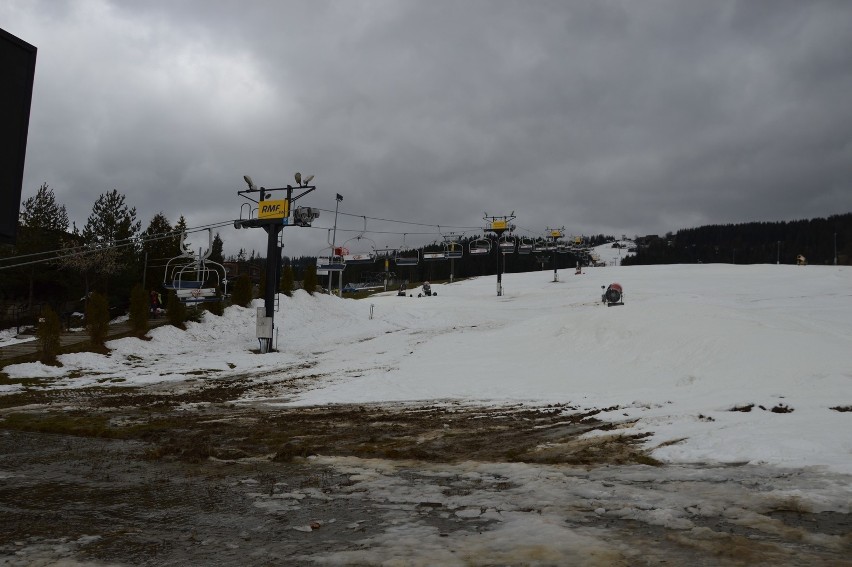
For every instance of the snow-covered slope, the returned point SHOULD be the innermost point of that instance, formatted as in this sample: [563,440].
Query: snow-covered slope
[691,344]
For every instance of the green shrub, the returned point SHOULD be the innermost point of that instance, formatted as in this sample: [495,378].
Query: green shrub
[139,309]
[195,313]
[48,336]
[309,282]
[216,307]
[242,292]
[286,284]
[175,311]
[97,319]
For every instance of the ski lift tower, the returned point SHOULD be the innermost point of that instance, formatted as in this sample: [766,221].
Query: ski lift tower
[272,215]
[499,225]
[555,234]
[452,250]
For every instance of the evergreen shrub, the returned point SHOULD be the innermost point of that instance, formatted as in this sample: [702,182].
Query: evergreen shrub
[48,336]
[242,293]
[97,319]
[139,309]
[176,311]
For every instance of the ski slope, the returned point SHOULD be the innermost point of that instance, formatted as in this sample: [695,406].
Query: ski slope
[691,344]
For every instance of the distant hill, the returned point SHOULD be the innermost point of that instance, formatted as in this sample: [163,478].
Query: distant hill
[752,243]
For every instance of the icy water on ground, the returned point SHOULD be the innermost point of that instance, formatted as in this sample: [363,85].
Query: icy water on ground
[70,500]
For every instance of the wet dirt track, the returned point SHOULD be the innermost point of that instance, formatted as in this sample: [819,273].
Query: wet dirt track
[136,477]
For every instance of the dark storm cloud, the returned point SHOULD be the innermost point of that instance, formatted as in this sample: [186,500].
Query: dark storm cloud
[605,117]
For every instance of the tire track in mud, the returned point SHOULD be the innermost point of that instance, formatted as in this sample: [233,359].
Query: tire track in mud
[202,475]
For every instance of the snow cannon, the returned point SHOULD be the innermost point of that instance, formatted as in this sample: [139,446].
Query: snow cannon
[427,290]
[614,295]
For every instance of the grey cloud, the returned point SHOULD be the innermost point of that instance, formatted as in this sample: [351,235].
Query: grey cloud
[613,117]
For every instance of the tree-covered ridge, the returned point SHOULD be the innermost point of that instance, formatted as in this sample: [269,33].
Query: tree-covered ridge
[752,243]
[52,265]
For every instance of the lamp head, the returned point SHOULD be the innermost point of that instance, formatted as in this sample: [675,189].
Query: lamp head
[249,182]
[298,177]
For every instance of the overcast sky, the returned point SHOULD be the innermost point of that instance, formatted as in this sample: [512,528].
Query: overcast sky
[615,117]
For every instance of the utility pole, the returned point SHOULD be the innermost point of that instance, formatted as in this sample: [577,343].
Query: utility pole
[835,248]
[272,215]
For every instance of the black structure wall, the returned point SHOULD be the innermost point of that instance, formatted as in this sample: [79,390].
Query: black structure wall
[17,69]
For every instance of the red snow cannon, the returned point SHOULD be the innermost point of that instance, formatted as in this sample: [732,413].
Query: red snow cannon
[613,295]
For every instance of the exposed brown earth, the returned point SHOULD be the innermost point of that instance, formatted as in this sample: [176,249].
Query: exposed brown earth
[181,475]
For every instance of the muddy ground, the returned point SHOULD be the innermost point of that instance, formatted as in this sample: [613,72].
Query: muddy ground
[205,476]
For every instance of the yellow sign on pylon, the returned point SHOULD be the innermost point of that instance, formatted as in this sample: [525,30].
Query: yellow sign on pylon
[499,225]
[273,209]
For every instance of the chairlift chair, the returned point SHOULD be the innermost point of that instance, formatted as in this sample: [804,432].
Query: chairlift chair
[506,244]
[479,247]
[199,283]
[330,262]
[525,245]
[360,258]
[178,266]
[195,278]
[453,250]
[433,255]
[407,258]
[183,276]
[541,246]
[385,253]
[176,269]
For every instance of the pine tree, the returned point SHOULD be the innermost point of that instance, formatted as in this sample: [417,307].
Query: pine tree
[309,281]
[43,212]
[180,228]
[48,336]
[217,249]
[242,292]
[176,311]
[111,223]
[159,242]
[216,307]
[110,235]
[43,222]
[286,285]
[139,309]
[97,319]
